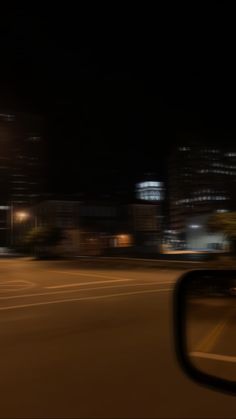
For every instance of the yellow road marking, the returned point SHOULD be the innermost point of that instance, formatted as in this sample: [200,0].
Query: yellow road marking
[209,341]
[216,357]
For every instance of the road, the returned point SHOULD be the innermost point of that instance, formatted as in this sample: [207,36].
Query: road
[93,343]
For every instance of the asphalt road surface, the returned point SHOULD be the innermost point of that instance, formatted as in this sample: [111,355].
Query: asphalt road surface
[94,343]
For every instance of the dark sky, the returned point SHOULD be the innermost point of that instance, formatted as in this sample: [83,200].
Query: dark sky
[117,88]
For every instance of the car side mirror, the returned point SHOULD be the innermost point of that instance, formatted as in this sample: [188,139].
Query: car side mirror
[205,327]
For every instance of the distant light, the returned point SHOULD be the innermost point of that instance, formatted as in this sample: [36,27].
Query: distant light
[7,117]
[195,226]
[150,191]
[4,207]
[230,154]
[184,148]
[21,216]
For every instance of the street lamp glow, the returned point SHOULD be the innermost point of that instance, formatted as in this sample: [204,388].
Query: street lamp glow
[21,216]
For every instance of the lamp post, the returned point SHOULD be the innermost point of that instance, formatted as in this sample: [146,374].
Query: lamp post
[17,217]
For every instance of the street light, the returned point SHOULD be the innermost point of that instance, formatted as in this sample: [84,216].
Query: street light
[17,217]
[21,216]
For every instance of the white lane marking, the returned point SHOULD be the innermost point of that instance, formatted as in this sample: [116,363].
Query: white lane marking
[88,283]
[10,297]
[15,285]
[71,300]
[216,357]
[80,273]
[145,260]
[165,260]
[17,282]
[78,284]
[95,275]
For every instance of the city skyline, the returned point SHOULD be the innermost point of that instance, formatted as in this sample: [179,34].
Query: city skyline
[117,210]
[113,105]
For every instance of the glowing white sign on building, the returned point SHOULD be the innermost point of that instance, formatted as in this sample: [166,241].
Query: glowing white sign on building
[150,191]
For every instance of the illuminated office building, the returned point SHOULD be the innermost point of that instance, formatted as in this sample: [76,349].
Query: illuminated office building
[150,191]
[201,180]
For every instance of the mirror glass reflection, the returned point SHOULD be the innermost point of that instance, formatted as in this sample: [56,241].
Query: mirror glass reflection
[211,325]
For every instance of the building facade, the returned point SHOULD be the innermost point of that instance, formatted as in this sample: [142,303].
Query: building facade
[201,180]
[99,226]
[150,190]
[200,239]
[21,150]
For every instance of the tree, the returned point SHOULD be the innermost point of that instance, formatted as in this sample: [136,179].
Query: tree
[226,224]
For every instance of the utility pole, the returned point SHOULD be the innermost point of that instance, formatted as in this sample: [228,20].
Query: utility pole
[11,225]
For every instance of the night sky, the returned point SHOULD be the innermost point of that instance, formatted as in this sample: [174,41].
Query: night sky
[117,92]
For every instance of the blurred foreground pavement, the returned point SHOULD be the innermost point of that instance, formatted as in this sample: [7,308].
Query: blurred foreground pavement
[82,341]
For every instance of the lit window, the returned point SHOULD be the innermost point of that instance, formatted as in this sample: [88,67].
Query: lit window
[184,148]
[230,154]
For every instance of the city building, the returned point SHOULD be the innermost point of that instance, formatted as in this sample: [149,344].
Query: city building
[146,225]
[21,149]
[201,180]
[150,190]
[90,226]
[199,238]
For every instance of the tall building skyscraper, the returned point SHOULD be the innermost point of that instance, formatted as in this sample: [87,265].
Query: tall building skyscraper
[21,149]
[201,180]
